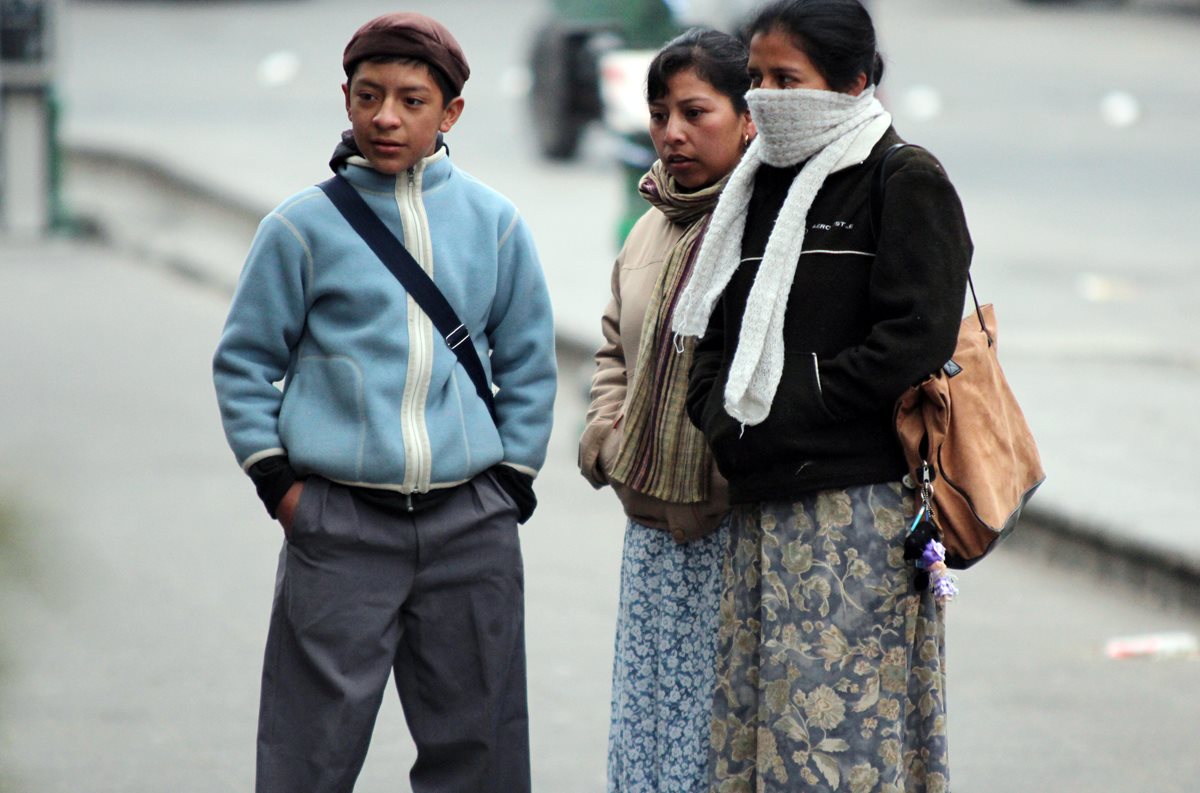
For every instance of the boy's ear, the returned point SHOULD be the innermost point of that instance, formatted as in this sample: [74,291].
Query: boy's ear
[451,114]
[346,95]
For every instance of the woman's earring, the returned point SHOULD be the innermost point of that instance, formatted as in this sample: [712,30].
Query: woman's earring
[746,142]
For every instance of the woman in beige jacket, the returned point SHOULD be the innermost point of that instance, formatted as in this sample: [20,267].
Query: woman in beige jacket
[638,437]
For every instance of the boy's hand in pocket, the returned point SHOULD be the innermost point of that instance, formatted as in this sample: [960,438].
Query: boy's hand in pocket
[287,507]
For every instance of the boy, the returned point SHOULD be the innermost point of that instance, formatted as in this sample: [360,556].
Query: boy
[398,493]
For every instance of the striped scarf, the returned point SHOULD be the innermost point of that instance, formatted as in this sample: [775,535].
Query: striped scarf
[662,454]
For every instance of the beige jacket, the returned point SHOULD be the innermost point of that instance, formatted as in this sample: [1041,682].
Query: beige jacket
[634,277]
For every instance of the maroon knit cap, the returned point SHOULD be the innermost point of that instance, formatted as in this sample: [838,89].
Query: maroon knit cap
[409,35]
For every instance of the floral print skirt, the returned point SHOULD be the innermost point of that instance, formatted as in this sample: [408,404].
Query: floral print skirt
[831,664]
[664,668]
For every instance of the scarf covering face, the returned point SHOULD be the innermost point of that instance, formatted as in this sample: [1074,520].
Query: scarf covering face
[662,454]
[794,125]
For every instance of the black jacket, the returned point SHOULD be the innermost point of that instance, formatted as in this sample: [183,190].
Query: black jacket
[864,322]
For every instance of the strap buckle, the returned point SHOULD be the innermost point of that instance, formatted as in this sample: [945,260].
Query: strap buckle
[455,338]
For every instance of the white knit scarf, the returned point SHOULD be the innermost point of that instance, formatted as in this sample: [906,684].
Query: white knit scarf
[794,125]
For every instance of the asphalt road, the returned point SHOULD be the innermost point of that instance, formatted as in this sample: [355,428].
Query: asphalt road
[136,603]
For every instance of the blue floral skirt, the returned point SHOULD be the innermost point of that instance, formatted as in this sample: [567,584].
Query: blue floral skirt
[831,665]
[664,667]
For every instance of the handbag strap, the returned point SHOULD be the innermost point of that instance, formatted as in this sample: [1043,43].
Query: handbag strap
[412,277]
[877,221]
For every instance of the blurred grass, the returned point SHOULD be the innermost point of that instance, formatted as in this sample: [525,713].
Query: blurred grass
[10,573]
[16,573]
[12,554]
[20,580]
[18,568]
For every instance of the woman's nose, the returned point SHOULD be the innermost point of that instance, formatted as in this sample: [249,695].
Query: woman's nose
[674,131]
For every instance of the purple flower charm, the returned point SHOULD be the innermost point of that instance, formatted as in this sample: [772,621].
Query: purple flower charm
[934,553]
[943,588]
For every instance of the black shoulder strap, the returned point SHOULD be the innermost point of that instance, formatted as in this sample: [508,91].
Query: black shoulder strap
[877,186]
[412,277]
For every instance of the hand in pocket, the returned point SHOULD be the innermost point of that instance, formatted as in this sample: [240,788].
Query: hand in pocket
[610,448]
[286,511]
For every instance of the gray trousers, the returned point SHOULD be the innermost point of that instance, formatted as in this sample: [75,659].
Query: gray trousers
[434,598]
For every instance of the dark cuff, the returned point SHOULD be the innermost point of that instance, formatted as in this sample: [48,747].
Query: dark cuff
[519,487]
[272,478]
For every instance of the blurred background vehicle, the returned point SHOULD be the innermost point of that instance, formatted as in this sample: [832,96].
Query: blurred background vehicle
[588,64]
[565,94]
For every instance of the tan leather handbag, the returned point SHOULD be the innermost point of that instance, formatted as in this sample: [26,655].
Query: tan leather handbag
[969,450]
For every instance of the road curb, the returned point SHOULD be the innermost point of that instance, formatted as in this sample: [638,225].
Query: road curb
[1159,572]
[110,219]
[143,168]
[205,213]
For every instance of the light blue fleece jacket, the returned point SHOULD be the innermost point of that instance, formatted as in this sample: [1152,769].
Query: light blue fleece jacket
[372,395]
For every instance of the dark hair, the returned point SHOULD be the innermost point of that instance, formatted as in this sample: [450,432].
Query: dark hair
[439,77]
[836,35]
[717,58]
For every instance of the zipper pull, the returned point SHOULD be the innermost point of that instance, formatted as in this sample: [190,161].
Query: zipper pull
[408,505]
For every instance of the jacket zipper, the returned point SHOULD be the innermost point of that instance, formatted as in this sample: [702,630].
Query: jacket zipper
[417,464]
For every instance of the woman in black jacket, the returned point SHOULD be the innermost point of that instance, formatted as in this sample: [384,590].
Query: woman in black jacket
[819,305]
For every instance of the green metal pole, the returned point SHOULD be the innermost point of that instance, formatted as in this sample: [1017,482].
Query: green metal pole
[60,218]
